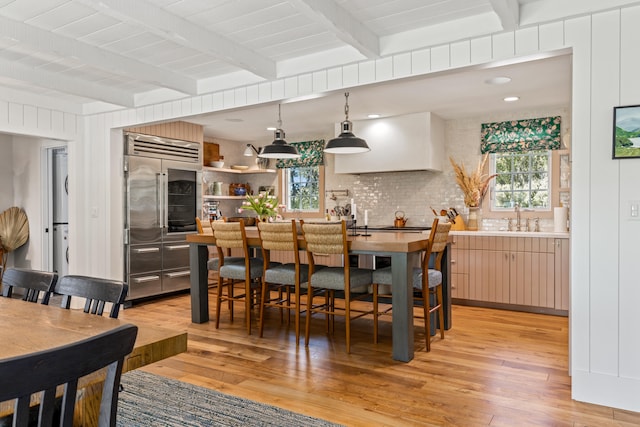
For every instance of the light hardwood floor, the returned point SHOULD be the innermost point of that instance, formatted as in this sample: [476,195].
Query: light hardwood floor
[494,368]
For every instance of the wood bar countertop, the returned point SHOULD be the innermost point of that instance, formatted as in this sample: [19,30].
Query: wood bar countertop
[376,242]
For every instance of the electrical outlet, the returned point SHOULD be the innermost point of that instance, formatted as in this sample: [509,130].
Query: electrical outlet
[634,210]
[94,212]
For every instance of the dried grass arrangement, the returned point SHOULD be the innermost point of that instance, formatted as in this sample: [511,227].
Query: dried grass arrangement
[474,185]
[14,231]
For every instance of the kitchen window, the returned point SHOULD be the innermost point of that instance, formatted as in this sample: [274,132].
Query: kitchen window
[523,178]
[302,188]
[302,180]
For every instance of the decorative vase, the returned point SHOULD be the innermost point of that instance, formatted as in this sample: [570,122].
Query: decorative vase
[475,218]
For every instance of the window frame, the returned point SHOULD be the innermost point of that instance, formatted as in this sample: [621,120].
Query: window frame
[554,170]
[549,171]
[286,213]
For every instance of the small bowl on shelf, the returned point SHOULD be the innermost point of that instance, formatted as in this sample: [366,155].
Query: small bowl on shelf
[217,164]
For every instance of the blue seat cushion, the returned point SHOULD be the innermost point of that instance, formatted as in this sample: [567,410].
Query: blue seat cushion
[382,276]
[237,271]
[285,274]
[333,278]
[213,263]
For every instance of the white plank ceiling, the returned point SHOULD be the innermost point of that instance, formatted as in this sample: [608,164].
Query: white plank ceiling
[110,54]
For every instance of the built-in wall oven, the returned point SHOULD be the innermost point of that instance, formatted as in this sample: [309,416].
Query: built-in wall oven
[163,196]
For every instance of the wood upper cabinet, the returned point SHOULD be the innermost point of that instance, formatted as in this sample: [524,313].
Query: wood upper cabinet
[522,271]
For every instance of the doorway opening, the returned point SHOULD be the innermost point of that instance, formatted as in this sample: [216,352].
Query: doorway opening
[57,212]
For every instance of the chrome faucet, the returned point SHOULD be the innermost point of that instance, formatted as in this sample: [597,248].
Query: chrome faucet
[518,222]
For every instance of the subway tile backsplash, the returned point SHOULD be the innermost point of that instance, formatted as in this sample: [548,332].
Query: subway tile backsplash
[414,193]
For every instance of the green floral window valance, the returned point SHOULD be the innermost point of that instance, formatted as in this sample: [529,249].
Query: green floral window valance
[521,135]
[311,152]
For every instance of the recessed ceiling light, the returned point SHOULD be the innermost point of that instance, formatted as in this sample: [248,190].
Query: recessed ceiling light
[511,98]
[498,80]
[271,128]
[373,116]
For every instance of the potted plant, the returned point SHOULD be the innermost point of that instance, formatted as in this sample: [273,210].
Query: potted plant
[264,205]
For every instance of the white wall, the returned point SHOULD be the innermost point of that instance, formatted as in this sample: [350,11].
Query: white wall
[26,172]
[6,174]
[604,344]
[27,195]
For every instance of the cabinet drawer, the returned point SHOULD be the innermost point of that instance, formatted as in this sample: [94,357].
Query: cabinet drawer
[459,242]
[144,258]
[175,255]
[145,285]
[176,280]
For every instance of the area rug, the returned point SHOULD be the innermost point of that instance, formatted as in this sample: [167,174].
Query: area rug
[151,400]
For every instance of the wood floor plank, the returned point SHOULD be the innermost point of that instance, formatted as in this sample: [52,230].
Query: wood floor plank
[494,368]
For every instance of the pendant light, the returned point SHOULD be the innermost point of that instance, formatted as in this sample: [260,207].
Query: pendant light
[346,142]
[279,149]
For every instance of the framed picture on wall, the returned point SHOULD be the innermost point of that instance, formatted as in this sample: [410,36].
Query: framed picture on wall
[626,132]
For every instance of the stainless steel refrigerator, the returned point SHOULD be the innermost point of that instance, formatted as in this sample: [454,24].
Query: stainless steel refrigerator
[163,196]
[60,188]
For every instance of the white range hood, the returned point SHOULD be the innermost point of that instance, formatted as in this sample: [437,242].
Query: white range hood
[400,143]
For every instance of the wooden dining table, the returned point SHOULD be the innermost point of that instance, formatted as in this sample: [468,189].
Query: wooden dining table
[403,248]
[27,327]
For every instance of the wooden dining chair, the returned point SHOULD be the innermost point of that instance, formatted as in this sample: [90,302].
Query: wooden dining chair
[213,264]
[427,282]
[232,235]
[42,372]
[32,282]
[199,226]
[282,279]
[331,238]
[96,291]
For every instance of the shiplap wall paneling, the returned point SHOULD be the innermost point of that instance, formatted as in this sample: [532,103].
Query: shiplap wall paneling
[440,58]
[481,49]
[605,83]
[503,46]
[367,72]
[421,61]
[629,191]
[527,41]
[461,54]
[401,65]
[551,36]
[578,35]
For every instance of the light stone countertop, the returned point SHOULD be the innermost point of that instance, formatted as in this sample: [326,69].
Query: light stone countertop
[553,234]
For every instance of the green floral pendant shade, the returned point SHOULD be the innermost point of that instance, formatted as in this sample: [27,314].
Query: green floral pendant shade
[521,135]
[311,154]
